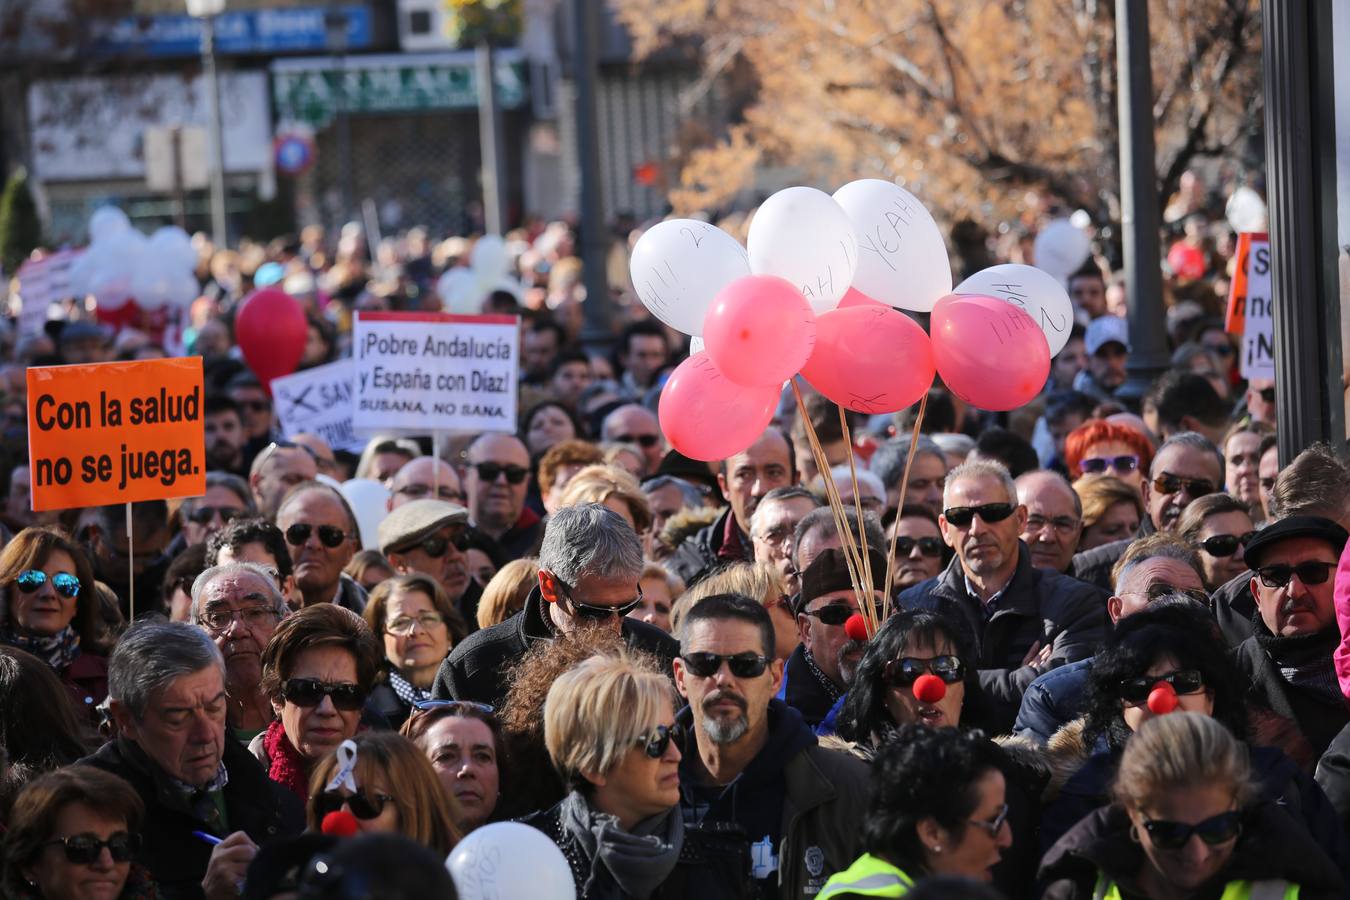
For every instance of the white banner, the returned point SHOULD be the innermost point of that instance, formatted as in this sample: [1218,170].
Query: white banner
[427,372]
[320,401]
[1258,335]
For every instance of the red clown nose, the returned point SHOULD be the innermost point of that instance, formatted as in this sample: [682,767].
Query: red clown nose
[1162,699]
[339,823]
[856,627]
[929,689]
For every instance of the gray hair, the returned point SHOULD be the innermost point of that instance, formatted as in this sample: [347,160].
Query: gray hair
[233,483]
[590,539]
[1161,545]
[979,468]
[268,576]
[786,492]
[1190,439]
[888,462]
[153,653]
[844,475]
[955,442]
[822,519]
[692,496]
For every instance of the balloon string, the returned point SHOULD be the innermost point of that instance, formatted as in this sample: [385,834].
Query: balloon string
[900,506]
[864,603]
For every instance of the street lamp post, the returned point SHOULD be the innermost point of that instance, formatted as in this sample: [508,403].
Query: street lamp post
[206,11]
[335,28]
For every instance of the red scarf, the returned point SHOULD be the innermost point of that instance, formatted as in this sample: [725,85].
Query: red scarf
[287,767]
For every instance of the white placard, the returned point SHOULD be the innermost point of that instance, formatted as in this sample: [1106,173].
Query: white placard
[1258,334]
[320,401]
[428,372]
[43,282]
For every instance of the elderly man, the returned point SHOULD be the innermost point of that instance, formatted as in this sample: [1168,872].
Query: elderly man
[278,468]
[926,476]
[1054,519]
[589,566]
[744,479]
[817,532]
[322,535]
[239,605]
[496,482]
[668,495]
[426,477]
[166,684]
[432,537]
[773,525]
[634,424]
[1026,620]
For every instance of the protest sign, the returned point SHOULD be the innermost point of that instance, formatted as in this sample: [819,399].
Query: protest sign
[42,282]
[319,401]
[1249,307]
[434,372]
[115,433]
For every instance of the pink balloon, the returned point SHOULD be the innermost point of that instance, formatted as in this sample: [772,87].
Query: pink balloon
[990,353]
[706,416]
[855,297]
[759,331]
[871,359]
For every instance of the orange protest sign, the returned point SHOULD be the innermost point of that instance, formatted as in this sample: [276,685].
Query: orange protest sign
[115,433]
[1236,318]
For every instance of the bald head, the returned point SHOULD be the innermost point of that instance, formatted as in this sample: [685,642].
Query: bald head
[422,478]
[633,424]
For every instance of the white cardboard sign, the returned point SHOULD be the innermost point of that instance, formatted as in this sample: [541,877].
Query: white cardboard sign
[320,401]
[1258,335]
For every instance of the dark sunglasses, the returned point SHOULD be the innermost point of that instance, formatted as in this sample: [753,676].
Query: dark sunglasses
[742,665]
[1278,575]
[1267,394]
[310,692]
[1215,830]
[361,805]
[1095,465]
[655,744]
[646,441]
[203,515]
[928,546]
[1160,589]
[1183,681]
[489,471]
[1225,544]
[961,516]
[1221,349]
[599,613]
[835,614]
[329,535]
[66,585]
[905,671]
[1167,483]
[83,849]
[437,546]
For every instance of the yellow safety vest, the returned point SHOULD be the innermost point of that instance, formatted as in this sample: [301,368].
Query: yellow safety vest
[1265,889]
[869,876]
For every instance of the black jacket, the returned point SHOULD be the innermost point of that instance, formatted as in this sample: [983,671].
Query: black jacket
[802,691]
[255,805]
[476,669]
[1234,606]
[1319,718]
[1038,605]
[700,553]
[1333,775]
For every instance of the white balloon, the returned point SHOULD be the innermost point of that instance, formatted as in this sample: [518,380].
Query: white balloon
[696,345]
[801,234]
[118,260]
[679,266]
[458,290]
[106,222]
[174,244]
[1061,249]
[510,861]
[1246,211]
[902,258]
[488,258]
[368,500]
[1028,288]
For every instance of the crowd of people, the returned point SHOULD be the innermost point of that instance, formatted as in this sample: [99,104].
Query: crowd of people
[1108,659]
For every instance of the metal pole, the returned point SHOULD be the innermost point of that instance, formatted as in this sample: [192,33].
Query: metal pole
[1149,357]
[594,238]
[219,225]
[335,25]
[490,142]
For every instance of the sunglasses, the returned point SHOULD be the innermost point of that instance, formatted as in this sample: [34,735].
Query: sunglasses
[646,441]
[905,671]
[1225,544]
[928,546]
[309,692]
[1215,830]
[961,516]
[203,515]
[489,471]
[437,546]
[361,805]
[329,535]
[1167,483]
[1277,576]
[742,665]
[1095,465]
[1221,349]
[83,849]
[1267,394]
[835,614]
[599,613]
[66,585]
[1183,681]
[1160,589]
[655,744]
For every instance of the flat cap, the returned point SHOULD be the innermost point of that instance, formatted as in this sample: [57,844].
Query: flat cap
[412,522]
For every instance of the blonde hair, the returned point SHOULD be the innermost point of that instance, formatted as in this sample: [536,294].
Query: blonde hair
[582,732]
[1179,750]
[759,581]
[505,594]
[596,484]
[1098,493]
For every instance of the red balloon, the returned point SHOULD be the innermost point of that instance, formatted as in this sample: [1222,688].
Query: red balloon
[870,359]
[1187,261]
[990,353]
[339,823]
[855,626]
[759,330]
[1162,699]
[706,416]
[929,688]
[271,331]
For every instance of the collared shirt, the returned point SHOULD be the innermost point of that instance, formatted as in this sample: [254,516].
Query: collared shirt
[989,606]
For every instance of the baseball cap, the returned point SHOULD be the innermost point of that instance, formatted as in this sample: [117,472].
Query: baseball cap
[1105,329]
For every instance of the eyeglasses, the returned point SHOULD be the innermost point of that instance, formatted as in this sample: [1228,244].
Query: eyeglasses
[928,546]
[309,692]
[361,805]
[1267,394]
[1160,589]
[994,825]
[1167,483]
[453,705]
[1221,349]
[1310,572]
[905,671]
[489,471]
[834,614]
[203,515]
[962,516]
[218,620]
[404,624]
[417,491]
[329,535]
[66,585]
[84,849]
[599,613]
[777,535]
[1183,681]
[655,744]
[1095,465]
[1062,524]
[1225,544]
[742,665]
[437,546]
[646,441]
[1215,830]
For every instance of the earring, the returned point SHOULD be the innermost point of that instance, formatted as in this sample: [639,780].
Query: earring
[937,848]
